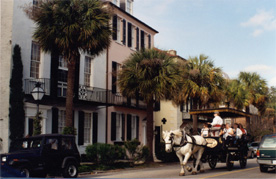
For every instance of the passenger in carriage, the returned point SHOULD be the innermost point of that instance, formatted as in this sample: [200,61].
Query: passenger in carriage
[216,124]
[237,131]
[229,133]
[242,129]
[205,130]
[222,130]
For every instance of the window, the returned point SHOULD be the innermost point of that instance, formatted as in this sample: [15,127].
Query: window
[149,41]
[115,70]
[35,60]
[62,76]
[133,127]
[118,29]
[52,143]
[87,127]
[119,127]
[61,120]
[129,6]
[87,71]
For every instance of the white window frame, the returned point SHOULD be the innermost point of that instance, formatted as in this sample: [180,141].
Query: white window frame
[129,6]
[119,31]
[118,69]
[35,60]
[87,129]
[119,125]
[88,64]
[116,2]
[133,126]
[61,120]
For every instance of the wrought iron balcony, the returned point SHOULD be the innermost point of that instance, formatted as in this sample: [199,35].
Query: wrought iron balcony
[91,94]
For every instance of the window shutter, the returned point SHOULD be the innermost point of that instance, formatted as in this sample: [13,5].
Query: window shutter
[129,35]
[114,28]
[54,74]
[137,39]
[54,120]
[31,127]
[124,32]
[128,101]
[123,127]
[149,41]
[128,127]
[95,127]
[157,106]
[113,126]
[81,128]
[137,127]
[114,77]
[142,39]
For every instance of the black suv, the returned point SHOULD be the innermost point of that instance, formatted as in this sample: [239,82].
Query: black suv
[52,154]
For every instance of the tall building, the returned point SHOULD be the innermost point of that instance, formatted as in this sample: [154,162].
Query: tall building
[101,113]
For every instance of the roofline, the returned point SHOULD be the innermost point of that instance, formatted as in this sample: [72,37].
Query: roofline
[200,111]
[113,5]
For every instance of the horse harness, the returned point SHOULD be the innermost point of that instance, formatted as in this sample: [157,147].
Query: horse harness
[184,141]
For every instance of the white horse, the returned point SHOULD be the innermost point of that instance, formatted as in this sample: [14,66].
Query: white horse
[185,146]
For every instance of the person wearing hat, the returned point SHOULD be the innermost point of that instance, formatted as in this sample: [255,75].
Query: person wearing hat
[216,124]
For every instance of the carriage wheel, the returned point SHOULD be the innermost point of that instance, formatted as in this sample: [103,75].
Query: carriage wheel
[243,161]
[212,162]
[229,163]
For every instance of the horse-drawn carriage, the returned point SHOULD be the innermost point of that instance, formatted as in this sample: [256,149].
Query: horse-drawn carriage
[225,151]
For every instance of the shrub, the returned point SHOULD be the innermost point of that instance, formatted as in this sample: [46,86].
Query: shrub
[104,153]
[136,151]
[69,131]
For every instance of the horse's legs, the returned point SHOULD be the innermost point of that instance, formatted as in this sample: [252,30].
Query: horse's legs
[186,158]
[198,161]
[180,157]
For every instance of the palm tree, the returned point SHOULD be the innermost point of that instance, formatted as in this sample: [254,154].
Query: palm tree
[202,83]
[256,92]
[68,28]
[153,75]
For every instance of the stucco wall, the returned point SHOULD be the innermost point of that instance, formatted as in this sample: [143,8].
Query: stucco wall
[171,113]
[5,70]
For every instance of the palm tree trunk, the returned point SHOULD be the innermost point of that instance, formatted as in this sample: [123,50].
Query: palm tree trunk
[70,93]
[247,120]
[150,129]
[195,122]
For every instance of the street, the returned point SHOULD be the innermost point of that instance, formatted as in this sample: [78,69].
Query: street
[172,171]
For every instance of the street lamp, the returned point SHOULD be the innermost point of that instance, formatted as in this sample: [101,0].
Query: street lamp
[37,94]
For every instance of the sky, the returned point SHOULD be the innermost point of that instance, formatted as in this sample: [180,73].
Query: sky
[238,35]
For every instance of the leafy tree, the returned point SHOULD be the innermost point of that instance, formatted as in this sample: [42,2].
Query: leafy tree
[202,82]
[37,124]
[16,110]
[256,92]
[153,75]
[71,27]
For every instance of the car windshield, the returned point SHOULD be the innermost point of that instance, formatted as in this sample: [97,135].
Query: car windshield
[269,142]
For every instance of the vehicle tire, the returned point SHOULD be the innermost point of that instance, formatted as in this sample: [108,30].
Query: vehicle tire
[70,170]
[212,162]
[229,163]
[263,168]
[243,162]
[25,172]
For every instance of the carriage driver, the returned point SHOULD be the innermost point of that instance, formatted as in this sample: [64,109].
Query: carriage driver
[216,124]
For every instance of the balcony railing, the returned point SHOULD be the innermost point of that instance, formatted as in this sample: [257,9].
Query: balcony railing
[86,93]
